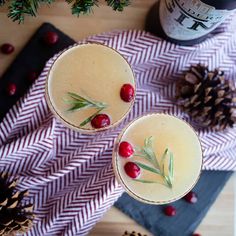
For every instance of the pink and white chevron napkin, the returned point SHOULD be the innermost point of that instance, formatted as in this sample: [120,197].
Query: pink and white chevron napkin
[70,174]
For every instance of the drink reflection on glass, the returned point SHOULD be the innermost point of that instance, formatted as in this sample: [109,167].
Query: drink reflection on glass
[157,158]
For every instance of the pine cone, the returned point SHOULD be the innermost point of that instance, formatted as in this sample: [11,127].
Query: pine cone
[15,216]
[126,233]
[207,97]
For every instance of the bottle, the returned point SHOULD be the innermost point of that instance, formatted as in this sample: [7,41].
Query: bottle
[187,22]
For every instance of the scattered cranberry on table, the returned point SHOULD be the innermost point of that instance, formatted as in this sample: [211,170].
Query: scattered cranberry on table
[50,38]
[170,210]
[132,170]
[191,197]
[195,234]
[125,149]
[32,76]
[127,92]
[11,89]
[100,121]
[7,48]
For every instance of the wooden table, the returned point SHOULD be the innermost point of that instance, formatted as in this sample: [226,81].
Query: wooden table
[220,219]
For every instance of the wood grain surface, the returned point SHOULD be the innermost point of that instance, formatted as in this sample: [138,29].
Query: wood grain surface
[220,219]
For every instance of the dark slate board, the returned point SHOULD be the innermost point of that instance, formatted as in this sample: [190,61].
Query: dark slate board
[33,58]
[188,215]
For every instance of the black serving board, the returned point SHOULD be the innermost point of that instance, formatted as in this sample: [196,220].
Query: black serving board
[32,58]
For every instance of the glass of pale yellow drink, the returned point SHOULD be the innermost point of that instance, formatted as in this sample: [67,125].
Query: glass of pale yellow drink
[90,87]
[157,158]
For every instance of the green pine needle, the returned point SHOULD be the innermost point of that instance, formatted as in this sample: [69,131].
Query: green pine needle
[83,6]
[18,9]
[118,5]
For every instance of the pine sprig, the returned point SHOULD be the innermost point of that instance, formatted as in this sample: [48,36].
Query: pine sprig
[78,103]
[118,5]
[82,6]
[18,9]
[156,167]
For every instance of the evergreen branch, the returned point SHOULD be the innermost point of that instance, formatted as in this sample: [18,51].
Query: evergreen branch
[82,6]
[118,5]
[19,8]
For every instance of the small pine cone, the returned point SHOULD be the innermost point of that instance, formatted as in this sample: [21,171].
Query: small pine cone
[207,97]
[15,215]
[133,233]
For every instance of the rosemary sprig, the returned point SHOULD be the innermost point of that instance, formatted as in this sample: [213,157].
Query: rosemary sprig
[78,103]
[149,155]
[86,121]
[148,181]
[148,168]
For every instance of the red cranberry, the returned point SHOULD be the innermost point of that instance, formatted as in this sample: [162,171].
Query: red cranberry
[170,210]
[125,149]
[7,48]
[32,76]
[127,92]
[132,170]
[196,234]
[50,38]
[191,197]
[11,89]
[100,121]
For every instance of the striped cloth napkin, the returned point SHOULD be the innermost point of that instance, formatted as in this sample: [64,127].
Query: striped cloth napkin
[70,174]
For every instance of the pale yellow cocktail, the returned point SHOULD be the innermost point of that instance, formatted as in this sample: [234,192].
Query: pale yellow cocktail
[97,74]
[177,149]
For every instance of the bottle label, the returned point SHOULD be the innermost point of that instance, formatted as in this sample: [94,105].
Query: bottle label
[189,19]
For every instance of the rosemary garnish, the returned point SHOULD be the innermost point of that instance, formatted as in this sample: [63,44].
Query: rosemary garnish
[149,155]
[78,103]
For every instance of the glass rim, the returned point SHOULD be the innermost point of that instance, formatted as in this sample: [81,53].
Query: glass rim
[77,127]
[120,179]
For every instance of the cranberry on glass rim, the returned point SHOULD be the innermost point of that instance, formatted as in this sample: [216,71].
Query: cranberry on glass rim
[127,93]
[125,149]
[100,121]
[132,170]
